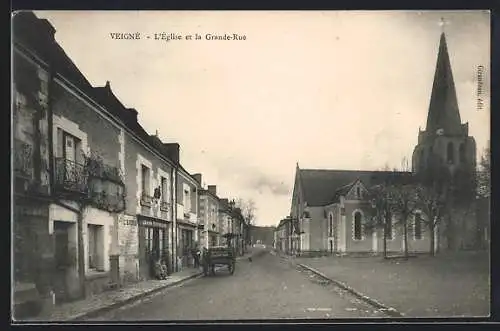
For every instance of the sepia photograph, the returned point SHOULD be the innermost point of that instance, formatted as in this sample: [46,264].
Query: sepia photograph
[232,166]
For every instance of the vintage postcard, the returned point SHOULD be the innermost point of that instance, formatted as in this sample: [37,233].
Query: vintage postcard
[178,166]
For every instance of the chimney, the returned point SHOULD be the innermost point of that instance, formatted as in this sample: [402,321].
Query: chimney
[212,189]
[224,203]
[172,150]
[48,29]
[197,177]
[131,113]
[32,30]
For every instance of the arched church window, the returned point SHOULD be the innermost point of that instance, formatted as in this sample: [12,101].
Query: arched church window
[331,226]
[461,153]
[450,157]
[357,226]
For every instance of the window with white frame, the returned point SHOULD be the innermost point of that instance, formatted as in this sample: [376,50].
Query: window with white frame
[187,200]
[145,171]
[95,241]
[330,233]
[164,189]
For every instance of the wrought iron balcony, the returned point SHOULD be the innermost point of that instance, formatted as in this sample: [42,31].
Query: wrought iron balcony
[164,206]
[23,159]
[146,199]
[70,176]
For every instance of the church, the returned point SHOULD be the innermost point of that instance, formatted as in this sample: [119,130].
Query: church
[329,207]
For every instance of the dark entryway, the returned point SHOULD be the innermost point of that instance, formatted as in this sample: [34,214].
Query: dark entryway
[62,260]
[156,244]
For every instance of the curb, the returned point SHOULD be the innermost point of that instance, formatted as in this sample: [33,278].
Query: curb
[386,309]
[118,304]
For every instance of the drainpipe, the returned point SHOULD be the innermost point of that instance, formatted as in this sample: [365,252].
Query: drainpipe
[173,215]
[50,129]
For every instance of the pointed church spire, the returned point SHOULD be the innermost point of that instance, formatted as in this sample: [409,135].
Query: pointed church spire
[443,108]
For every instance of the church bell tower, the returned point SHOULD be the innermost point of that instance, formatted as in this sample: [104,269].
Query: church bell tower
[445,140]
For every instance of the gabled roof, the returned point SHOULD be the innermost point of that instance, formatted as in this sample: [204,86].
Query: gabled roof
[322,186]
[343,191]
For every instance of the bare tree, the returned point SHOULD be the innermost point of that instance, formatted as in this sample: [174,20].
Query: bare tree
[431,199]
[379,199]
[403,202]
[484,174]
[248,210]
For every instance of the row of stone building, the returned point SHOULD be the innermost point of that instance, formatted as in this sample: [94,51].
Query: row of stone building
[330,208]
[89,181]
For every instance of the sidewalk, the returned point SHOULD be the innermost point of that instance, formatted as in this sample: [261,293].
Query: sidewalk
[106,301]
[113,299]
[448,285]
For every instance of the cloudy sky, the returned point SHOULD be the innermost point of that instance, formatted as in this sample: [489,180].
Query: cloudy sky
[336,89]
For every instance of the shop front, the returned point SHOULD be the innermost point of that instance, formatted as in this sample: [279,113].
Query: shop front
[186,243]
[154,244]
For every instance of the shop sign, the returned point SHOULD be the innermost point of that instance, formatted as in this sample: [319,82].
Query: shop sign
[152,223]
[128,220]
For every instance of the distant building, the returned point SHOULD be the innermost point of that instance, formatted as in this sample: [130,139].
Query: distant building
[262,235]
[283,235]
[209,216]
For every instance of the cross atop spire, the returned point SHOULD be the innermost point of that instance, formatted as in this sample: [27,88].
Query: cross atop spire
[442,23]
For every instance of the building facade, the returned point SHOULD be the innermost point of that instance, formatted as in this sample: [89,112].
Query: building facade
[283,235]
[187,216]
[209,216]
[66,150]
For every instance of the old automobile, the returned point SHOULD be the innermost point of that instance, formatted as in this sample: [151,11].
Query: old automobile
[218,256]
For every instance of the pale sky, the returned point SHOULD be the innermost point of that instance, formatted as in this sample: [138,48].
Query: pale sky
[326,89]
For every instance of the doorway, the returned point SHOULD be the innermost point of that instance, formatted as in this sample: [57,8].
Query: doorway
[62,259]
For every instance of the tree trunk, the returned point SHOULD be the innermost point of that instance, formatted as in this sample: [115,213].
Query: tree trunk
[432,233]
[405,232]
[385,241]
[81,253]
[388,218]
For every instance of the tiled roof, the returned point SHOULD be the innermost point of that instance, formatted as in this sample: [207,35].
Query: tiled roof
[321,186]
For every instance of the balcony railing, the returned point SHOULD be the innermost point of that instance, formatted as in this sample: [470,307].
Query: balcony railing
[146,199]
[71,176]
[164,206]
[23,159]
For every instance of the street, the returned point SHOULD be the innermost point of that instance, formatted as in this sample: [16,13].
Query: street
[266,288]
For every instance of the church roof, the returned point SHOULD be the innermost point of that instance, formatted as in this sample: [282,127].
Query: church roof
[323,186]
[443,108]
